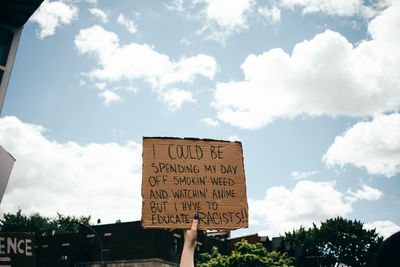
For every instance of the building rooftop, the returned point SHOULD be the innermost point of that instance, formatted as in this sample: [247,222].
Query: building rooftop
[15,13]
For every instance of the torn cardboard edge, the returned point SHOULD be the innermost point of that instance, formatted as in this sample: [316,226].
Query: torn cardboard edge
[191,138]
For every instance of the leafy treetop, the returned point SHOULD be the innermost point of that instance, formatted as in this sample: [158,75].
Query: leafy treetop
[244,255]
[337,240]
[41,225]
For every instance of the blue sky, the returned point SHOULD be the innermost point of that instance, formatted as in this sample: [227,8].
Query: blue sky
[310,87]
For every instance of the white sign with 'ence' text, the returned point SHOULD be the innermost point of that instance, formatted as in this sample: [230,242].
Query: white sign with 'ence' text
[17,249]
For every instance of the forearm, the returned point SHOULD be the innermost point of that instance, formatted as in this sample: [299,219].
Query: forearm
[187,258]
[189,245]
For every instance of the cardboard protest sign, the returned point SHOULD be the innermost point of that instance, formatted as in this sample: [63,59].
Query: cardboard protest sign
[6,165]
[17,249]
[182,177]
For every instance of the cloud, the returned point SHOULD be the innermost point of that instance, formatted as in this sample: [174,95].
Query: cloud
[210,122]
[384,228]
[99,13]
[339,8]
[273,14]
[127,23]
[100,86]
[234,138]
[175,98]
[374,145]
[132,89]
[102,180]
[227,14]
[347,8]
[301,175]
[185,42]
[283,209]
[110,97]
[140,62]
[176,5]
[326,75]
[51,15]
[365,193]
[223,18]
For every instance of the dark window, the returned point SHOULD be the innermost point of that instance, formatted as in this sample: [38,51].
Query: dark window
[176,246]
[65,251]
[88,247]
[107,242]
[64,257]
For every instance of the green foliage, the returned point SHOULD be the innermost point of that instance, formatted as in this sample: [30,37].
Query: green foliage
[245,254]
[67,224]
[212,260]
[41,225]
[337,240]
[304,238]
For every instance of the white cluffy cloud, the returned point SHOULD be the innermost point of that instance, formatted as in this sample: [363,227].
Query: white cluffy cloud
[175,98]
[101,180]
[283,209]
[99,13]
[374,145]
[273,14]
[342,8]
[234,138]
[127,23]
[338,7]
[51,15]
[176,5]
[135,61]
[110,97]
[210,122]
[384,228]
[302,175]
[227,14]
[326,75]
[224,17]
[141,62]
[365,193]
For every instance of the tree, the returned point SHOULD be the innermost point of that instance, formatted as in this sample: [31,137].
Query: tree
[215,259]
[67,224]
[337,240]
[245,254]
[41,225]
